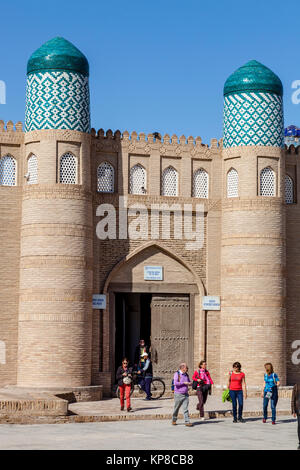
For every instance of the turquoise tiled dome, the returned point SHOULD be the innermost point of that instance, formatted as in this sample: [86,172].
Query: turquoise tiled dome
[253,77]
[57,93]
[58,54]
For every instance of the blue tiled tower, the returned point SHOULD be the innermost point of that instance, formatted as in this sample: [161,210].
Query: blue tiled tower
[253,113]
[57,88]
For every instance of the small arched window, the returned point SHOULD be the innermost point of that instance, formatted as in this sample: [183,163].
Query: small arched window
[138,178]
[169,183]
[32,169]
[232,183]
[105,178]
[7,171]
[68,169]
[200,184]
[267,182]
[289,190]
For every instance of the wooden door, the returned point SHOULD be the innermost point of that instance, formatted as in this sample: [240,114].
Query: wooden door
[170,333]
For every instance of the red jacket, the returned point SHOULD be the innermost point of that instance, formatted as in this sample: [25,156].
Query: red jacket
[204,375]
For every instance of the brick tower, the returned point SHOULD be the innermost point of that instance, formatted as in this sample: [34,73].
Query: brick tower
[253,224]
[56,230]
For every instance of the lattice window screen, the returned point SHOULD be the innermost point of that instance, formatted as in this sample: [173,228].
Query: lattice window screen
[7,171]
[169,185]
[232,183]
[267,182]
[200,184]
[105,178]
[137,180]
[32,170]
[289,190]
[68,169]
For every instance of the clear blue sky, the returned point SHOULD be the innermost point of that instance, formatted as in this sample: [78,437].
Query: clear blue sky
[155,65]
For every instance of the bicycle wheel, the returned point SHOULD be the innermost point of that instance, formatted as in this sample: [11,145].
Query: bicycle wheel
[157,388]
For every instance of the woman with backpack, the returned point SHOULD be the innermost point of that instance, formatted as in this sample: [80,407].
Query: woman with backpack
[237,390]
[124,379]
[202,383]
[270,392]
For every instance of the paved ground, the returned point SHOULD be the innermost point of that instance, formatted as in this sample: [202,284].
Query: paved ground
[160,435]
[164,406]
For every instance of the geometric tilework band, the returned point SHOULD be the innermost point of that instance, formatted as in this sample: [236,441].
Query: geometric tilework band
[57,100]
[253,119]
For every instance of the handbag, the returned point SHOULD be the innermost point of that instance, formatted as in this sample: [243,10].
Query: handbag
[127,380]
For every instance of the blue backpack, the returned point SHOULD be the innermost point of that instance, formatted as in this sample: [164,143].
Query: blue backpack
[172,384]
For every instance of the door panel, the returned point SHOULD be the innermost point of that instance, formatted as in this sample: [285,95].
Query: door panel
[170,332]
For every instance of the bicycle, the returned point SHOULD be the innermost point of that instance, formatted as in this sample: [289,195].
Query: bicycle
[157,389]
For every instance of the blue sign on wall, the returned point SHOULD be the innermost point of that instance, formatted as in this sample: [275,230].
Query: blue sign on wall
[99,301]
[153,273]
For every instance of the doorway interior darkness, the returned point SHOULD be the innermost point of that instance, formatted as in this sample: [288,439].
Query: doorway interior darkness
[133,322]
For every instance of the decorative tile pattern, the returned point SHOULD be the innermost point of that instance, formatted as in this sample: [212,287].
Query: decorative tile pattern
[232,183]
[137,180]
[105,178]
[68,169]
[267,182]
[7,171]
[289,190]
[169,184]
[32,170]
[253,119]
[200,184]
[57,100]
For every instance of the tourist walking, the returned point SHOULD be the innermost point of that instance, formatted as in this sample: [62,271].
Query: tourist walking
[238,391]
[181,394]
[145,370]
[270,392]
[296,408]
[204,380]
[124,379]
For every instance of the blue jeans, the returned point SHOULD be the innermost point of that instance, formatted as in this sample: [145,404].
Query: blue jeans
[274,401]
[145,383]
[237,395]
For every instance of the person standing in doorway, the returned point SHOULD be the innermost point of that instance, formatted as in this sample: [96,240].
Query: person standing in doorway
[296,407]
[124,379]
[238,391]
[181,394]
[202,376]
[145,370]
[139,353]
[270,392]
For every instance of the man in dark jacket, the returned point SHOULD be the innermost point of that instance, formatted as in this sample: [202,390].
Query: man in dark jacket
[139,351]
[145,371]
[296,407]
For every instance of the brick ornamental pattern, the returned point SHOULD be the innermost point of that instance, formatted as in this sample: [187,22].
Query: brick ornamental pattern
[52,260]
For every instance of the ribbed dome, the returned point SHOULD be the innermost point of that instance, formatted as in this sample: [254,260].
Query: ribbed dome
[58,54]
[253,76]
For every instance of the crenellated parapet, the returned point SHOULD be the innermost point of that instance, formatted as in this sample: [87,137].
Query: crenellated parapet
[11,133]
[145,144]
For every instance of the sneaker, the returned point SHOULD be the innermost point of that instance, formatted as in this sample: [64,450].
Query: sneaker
[264,420]
[202,419]
[122,408]
[189,425]
[129,409]
[273,422]
[174,423]
[241,420]
[234,421]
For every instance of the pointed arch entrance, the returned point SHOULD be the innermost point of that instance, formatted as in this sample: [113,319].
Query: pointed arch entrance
[166,312]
